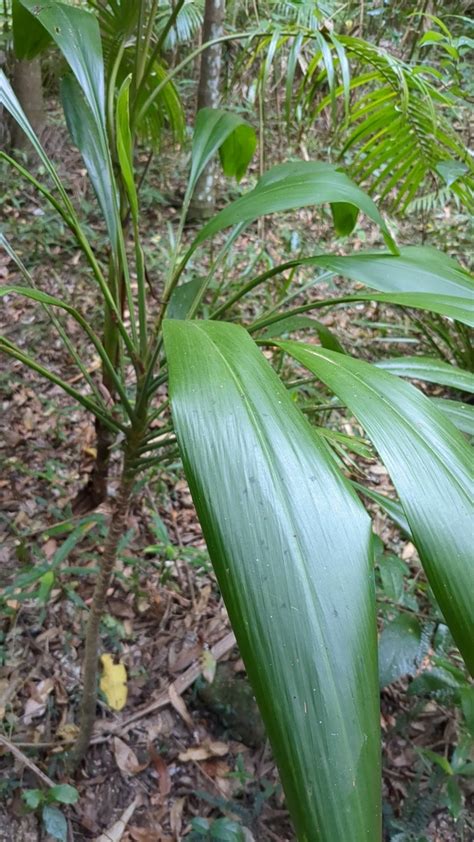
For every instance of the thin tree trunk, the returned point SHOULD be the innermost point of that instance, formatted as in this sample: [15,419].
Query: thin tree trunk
[202,204]
[104,578]
[28,87]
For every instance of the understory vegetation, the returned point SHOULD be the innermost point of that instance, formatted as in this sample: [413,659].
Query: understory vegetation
[236,580]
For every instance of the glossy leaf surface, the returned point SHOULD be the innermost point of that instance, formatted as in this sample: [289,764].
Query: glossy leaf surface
[29,37]
[291,186]
[415,269]
[291,547]
[428,460]
[213,128]
[433,371]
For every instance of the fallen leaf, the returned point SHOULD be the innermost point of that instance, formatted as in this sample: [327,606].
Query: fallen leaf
[113,683]
[115,833]
[176,817]
[179,706]
[126,759]
[36,704]
[208,665]
[164,780]
[204,751]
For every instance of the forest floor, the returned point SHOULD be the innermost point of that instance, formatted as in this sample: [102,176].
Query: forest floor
[183,747]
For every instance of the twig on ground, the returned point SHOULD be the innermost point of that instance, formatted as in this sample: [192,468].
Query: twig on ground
[221,648]
[13,749]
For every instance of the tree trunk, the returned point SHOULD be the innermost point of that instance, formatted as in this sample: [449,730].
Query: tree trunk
[28,87]
[89,694]
[202,204]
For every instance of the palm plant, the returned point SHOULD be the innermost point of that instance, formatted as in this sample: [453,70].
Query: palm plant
[289,539]
[392,120]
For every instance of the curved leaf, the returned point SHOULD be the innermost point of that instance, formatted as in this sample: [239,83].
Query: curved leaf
[428,460]
[460,414]
[76,33]
[213,128]
[89,141]
[29,37]
[433,371]
[415,269]
[290,186]
[290,545]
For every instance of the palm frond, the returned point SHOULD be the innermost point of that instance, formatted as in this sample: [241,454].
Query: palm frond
[397,125]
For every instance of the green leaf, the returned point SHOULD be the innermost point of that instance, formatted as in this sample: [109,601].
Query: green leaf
[125,145]
[428,460]
[182,298]
[433,371]
[392,571]
[293,323]
[289,187]
[225,830]
[76,33]
[415,269]
[29,37]
[399,649]
[90,142]
[460,414]
[46,582]
[54,823]
[467,704]
[33,797]
[291,547]
[454,798]
[393,508]
[237,151]
[64,793]
[440,761]
[213,128]
[344,217]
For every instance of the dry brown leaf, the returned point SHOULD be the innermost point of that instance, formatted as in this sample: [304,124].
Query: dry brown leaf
[176,817]
[204,751]
[164,780]
[115,833]
[126,759]
[179,706]
[36,704]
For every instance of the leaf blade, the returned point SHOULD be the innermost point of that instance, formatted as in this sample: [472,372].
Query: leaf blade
[226,399]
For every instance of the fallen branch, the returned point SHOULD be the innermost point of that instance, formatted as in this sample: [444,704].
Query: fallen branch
[13,749]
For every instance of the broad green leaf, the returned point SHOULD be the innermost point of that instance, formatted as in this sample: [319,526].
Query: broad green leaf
[125,145]
[460,414]
[237,151]
[344,217]
[65,793]
[392,571]
[292,552]
[452,306]
[428,460]
[90,143]
[289,187]
[54,823]
[213,128]
[76,33]
[33,797]
[433,371]
[29,37]
[399,649]
[182,298]
[415,269]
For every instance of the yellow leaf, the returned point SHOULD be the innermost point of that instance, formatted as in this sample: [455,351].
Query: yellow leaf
[113,682]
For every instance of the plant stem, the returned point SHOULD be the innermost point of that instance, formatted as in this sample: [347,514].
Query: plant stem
[89,694]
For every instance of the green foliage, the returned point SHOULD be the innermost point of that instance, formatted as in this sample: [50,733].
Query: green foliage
[289,539]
